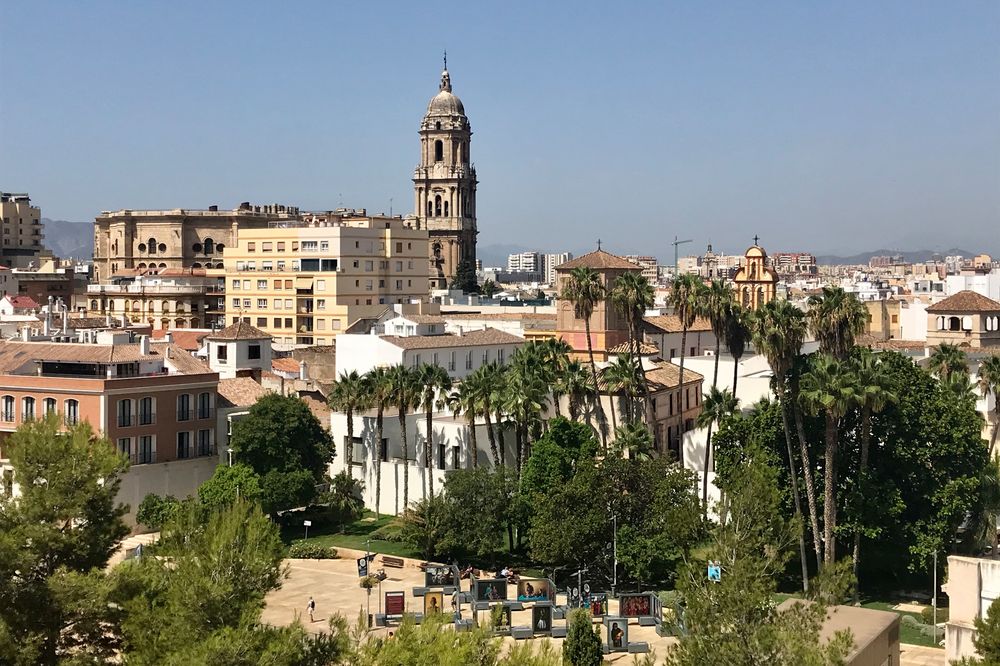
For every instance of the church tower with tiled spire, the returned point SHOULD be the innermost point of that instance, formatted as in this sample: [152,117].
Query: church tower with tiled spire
[444,185]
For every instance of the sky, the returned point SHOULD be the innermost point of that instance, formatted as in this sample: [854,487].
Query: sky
[831,127]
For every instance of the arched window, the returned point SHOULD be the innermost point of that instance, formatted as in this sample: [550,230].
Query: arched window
[141,266]
[196,265]
[437,205]
[437,125]
[127,306]
[430,208]
[8,408]
[49,406]
[439,151]
[940,323]
[163,266]
[151,245]
[93,305]
[446,209]
[71,411]
[147,411]
[954,324]
[210,246]
[461,152]
[136,307]
[27,408]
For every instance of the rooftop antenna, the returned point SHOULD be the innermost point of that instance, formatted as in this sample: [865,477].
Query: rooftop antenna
[675,244]
[446,59]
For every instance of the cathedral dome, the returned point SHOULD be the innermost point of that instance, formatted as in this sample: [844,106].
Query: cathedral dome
[445,103]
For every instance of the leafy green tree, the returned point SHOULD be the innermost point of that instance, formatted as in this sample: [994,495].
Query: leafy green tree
[285,444]
[582,646]
[556,454]
[344,501]
[489,289]
[987,639]
[229,483]
[66,519]
[480,506]
[349,396]
[717,307]
[716,406]
[155,511]
[989,382]
[428,643]
[620,378]
[585,290]
[465,278]
[423,525]
[735,622]
[467,400]
[634,440]
[574,382]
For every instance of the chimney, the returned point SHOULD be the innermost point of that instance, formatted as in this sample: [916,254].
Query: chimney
[303,371]
[144,345]
[25,333]
[168,337]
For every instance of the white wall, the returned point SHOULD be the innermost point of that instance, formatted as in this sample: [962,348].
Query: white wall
[913,321]
[179,478]
[360,353]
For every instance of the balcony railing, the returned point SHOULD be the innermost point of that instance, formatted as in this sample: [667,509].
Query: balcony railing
[147,289]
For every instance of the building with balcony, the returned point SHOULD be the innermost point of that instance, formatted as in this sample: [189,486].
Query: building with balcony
[155,403]
[164,298]
[49,279]
[21,231]
[304,282]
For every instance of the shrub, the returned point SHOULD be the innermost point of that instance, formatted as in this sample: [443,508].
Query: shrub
[311,551]
[927,614]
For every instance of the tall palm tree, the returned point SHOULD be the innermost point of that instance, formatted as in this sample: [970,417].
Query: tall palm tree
[961,386]
[716,406]
[836,318]
[829,388]
[632,295]
[621,379]
[554,354]
[348,396]
[405,396]
[686,295]
[378,388]
[434,382]
[737,334]
[989,382]
[874,394]
[585,290]
[634,440]
[778,329]
[948,359]
[574,382]
[467,399]
[497,378]
[717,306]
[526,400]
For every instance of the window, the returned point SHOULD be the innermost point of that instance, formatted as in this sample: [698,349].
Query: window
[277,322]
[147,409]
[383,453]
[147,450]
[261,303]
[262,284]
[320,285]
[8,408]
[281,246]
[71,411]
[455,457]
[500,355]
[251,247]
[324,246]
[253,352]
[368,285]
[281,265]
[277,304]
[124,413]
[184,444]
[204,405]
[125,446]
[438,151]
[288,304]
[49,406]
[277,285]
[266,247]
[320,303]
[369,266]
[310,246]
[266,265]
[288,322]
[204,442]
[27,409]
[184,407]
[468,361]
[236,284]
[261,322]
[222,352]
[321,324]
[399,248]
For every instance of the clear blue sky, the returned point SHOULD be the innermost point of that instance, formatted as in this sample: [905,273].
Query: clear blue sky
[831,127]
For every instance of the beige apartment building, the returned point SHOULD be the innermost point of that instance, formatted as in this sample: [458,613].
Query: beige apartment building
[22,231]
[303,282]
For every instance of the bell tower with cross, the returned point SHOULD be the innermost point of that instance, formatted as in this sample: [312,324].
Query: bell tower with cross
[756,283]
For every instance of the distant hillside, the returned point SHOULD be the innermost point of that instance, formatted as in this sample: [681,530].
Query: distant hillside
[909,257]
[69,240]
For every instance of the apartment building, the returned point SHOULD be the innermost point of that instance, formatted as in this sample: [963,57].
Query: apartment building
[524,262]
[21,230]
[154,401]
[649,265]
[304,282]
[164,298]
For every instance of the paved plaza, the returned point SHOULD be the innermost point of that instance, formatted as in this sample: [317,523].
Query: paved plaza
[334,584]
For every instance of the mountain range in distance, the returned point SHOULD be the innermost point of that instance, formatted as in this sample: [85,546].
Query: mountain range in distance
[69,240]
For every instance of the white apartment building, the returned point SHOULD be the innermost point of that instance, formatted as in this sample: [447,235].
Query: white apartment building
[986,284]
[21,230]
[524,262]
[551,261]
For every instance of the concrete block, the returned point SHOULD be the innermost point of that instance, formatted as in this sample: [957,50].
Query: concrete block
[559,632]
[638,648]
[521,633]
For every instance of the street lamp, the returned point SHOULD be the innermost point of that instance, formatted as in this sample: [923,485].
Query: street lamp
[230,452]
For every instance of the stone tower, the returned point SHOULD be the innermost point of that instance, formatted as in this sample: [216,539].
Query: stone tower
[444,185]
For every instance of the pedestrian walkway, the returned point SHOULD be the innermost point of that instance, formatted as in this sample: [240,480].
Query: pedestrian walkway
[915,655]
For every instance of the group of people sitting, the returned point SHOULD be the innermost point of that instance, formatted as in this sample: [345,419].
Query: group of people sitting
[511,575]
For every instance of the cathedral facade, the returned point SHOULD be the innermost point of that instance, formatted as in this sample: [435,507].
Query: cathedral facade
[756,282]
[444,186]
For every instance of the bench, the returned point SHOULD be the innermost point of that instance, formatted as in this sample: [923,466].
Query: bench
[394,562]
[638,648]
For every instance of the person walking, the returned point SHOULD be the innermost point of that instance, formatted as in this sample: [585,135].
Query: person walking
[311,607]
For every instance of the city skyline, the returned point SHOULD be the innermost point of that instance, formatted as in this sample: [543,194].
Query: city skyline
[829,131]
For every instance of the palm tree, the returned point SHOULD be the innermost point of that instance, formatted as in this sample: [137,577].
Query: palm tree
[378,388]
[525,401]
[946,360]
[737,334]
[778,329]
[554,353]
[621,379]
[634,440]
[405,396]
[632,295]
[497,378]
[435,382]
[961,386]
[989,382]
[836,318]
[585,290]
[685,297]
[717,307]
[716,406]
[574,382]
[348,396]
[874,394]
[831,388]
[467,399]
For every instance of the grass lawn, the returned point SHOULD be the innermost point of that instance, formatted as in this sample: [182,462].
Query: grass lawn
[355,536]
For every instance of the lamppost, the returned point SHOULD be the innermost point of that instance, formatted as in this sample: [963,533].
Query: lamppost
[230,452]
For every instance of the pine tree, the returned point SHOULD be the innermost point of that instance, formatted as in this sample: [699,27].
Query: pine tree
[583,644]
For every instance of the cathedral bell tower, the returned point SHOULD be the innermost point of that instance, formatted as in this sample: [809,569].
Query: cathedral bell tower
[444,185]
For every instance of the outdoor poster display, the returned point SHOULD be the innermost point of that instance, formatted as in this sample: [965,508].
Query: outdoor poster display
[598,605]
[440,575]
[541,619]
[535,589]
[491,589]
[433,602]
[617,629]
[395,603]
[645,604]
[501,621]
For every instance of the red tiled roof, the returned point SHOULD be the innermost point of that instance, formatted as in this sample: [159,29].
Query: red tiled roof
[966,301]
[645,349]
[489,336]
[190,339]
[240,331]
[240,392]
[285,364]
[672,323]
[26,302]
[599,259]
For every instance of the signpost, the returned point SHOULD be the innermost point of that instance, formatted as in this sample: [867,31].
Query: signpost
[308,524]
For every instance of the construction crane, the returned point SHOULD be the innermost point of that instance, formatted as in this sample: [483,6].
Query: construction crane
[675,244]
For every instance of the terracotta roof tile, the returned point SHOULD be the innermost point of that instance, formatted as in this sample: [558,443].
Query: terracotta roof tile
[240,392]
[966,301]
[285,364]
[672,323]
[422,318]
[599,259]
[645,349]
[190,339]
[501,316]
[489,336]
[26,302]
[180,359]
[15,354]
[667,375]
[240,331]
